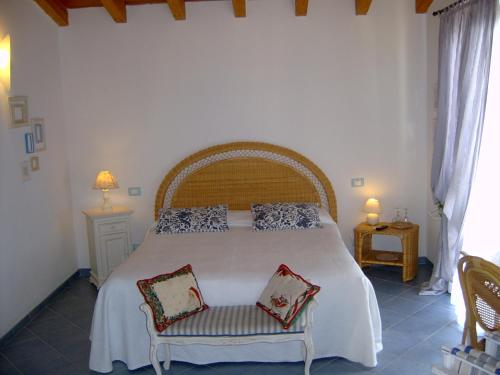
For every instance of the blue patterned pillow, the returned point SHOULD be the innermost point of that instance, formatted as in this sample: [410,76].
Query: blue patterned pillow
[282,216]
[194,219]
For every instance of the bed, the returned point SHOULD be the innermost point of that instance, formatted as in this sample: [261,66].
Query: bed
[233,267]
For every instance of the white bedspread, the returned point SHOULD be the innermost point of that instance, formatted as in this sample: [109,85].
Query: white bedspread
[233,268]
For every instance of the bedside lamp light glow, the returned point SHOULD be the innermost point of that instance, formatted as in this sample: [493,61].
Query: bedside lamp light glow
[5,62]
[105,181]
[372,208]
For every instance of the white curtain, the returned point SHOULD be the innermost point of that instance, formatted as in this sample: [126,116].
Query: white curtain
[465,42]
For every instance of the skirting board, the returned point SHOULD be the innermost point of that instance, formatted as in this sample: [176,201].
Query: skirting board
[83,272]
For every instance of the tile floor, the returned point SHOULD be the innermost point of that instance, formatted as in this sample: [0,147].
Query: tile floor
[414,328]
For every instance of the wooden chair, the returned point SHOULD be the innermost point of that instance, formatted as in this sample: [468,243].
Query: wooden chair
[480,281]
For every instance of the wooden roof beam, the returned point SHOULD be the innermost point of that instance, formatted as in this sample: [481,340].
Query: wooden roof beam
[178,9]
[362,7]
[56,10]
[301,7]
[240,8]
[421,6]
[116,9]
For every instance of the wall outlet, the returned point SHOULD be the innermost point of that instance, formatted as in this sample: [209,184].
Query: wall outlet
[134,191]
[357,182]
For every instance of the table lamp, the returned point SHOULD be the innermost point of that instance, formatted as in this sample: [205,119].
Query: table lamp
[105,181]
[372,208]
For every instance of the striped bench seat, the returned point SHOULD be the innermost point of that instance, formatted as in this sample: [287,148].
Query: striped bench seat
[229,325]
[232,321]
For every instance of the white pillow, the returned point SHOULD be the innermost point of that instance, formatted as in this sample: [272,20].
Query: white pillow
[242,218]
[237,219]
[325,217]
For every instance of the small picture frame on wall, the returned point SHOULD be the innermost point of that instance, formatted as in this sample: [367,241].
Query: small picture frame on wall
[18,111]
[38,130]
[29,143]
[35,163]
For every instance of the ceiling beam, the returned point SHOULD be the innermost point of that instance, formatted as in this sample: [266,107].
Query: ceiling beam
[301,7]
[178,9]
[56,10]
[240,8]
[421,6]
[116,9]
[362,7]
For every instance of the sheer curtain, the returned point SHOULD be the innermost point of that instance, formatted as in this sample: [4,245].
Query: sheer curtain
[481,220]
[483,213]
[465,43]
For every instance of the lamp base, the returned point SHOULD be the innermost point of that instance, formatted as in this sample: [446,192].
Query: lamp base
[372,219]
[106,200]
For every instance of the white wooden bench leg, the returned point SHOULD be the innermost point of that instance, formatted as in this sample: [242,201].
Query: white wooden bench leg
[166,364]
[153,357]
[308,343]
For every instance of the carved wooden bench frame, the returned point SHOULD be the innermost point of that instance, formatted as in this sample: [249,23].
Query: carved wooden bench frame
[157,339]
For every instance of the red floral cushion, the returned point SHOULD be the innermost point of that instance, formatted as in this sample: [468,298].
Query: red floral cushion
[172,296]
[286,295]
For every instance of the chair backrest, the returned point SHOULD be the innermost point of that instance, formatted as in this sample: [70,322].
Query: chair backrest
[480,281]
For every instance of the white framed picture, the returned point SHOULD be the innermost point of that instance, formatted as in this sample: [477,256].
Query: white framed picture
[18,111]
[35,163]
[38,130]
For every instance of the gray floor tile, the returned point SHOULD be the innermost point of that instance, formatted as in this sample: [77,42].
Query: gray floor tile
[342,366]
[416,328]
[50,327]
[436,312]
[390,318]
[22,336]
[403,306]
[6,368]
[397,342]
[383,297]
[392,288]
[451,334]
[28,351]
[42,365]
[403,366]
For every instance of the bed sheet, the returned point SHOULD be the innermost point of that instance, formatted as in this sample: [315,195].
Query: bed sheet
[233,268]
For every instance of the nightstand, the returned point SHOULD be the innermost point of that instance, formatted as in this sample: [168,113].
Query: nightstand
[407,258]
[109,240]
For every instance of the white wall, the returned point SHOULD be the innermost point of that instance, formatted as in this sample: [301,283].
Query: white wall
[36,232]
[348,92]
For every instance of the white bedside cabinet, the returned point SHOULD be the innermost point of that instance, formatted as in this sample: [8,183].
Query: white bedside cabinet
[109,240]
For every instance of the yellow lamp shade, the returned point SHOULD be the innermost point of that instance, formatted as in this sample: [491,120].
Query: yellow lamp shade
[5,62]
[105,181]
[372,206]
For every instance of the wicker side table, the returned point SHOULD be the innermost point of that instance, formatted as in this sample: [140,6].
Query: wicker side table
[407,258]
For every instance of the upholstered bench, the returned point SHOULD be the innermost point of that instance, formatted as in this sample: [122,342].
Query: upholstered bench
[229,325]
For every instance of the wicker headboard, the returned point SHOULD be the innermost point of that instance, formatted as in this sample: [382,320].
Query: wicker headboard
[242,173]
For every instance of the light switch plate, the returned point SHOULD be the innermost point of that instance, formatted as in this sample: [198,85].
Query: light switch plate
[134,191]
[357,182]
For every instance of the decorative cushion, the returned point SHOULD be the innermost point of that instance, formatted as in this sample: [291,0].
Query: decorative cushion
[286,295]
[282,216]
[172,296]
[195,219]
